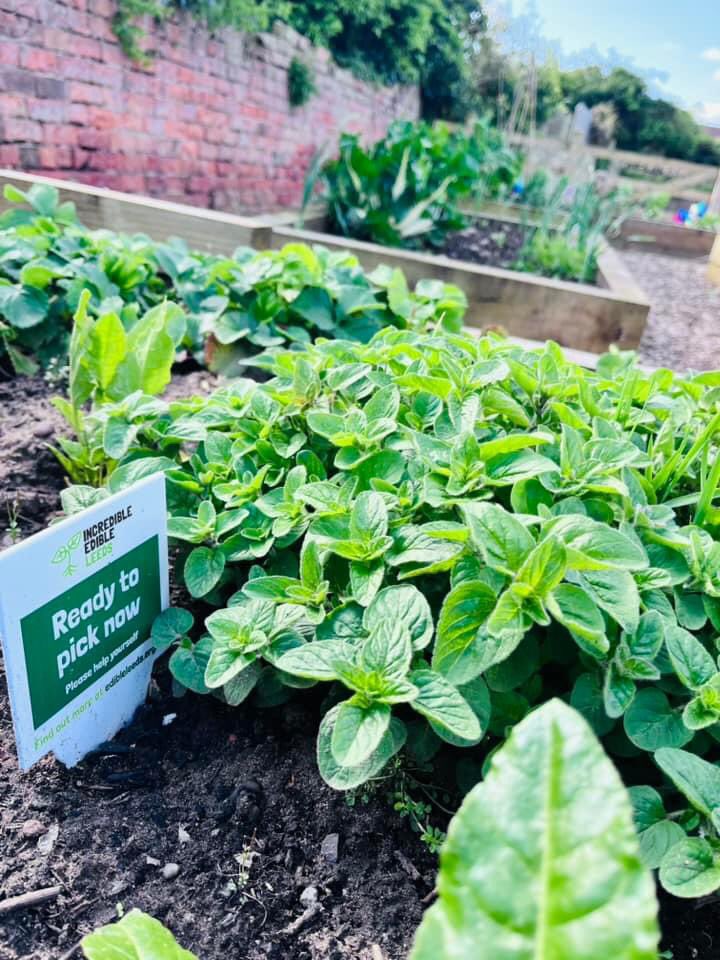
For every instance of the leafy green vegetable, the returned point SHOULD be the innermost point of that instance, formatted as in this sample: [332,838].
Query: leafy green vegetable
[541,860]
[446,531]
[234,306]
[134,937]
[404,188]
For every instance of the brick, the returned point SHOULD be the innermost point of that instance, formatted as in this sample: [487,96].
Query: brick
[50,88]
[86,93]
[35,58]
[16,130]
[21,81]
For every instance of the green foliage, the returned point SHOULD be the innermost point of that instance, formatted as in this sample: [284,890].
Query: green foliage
[646,124]
[447,530]
[570,237]
[234,305]
[123,369]
[386,41]
[542,860]
[553,255]
[403,190]
[135,937]
[301,82]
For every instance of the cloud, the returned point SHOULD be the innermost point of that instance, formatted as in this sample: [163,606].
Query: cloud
[716,75]
[712,53]
[708,113]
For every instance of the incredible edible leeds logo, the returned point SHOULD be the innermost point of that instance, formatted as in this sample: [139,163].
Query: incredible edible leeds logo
[96,540]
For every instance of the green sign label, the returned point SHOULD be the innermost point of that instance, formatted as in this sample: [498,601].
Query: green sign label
[75,639]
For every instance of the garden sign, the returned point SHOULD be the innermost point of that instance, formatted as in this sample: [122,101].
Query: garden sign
[77,602]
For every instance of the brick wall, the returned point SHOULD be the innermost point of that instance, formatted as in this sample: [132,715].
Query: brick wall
[207,123]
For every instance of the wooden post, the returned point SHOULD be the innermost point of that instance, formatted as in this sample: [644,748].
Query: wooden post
[715,197]
[713,272]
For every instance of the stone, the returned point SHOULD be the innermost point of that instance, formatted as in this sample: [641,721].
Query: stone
[309,896]
[33,828]
[329,848]
[170,871]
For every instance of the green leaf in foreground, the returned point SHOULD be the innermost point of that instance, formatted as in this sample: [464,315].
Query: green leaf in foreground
[542,860]
[136,937]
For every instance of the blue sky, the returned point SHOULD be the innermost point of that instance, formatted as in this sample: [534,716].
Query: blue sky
[676,45]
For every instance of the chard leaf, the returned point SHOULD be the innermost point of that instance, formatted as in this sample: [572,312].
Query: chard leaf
[542,860]
[136,936]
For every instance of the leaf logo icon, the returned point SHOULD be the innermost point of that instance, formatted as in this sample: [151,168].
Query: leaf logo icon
[64,554]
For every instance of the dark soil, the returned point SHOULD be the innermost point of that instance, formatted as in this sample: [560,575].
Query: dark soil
[491,243]
[232,797]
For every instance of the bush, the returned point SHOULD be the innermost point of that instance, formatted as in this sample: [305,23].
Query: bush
[301,83]
[390,41]
[446,531]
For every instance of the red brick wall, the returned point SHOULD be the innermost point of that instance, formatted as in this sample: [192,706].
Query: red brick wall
[208,122]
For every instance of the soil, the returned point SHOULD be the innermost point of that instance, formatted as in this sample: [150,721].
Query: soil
[490,243]
[213,819]
[230,796]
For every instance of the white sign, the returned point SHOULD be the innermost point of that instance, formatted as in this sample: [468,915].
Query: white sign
[77,602]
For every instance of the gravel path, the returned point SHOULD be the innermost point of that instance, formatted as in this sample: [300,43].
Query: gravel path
[683,330]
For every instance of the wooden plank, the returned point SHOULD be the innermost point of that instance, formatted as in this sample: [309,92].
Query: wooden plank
[575,315]
[658,236]
[99,208]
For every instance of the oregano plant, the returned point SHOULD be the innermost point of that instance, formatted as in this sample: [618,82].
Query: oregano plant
[441,532]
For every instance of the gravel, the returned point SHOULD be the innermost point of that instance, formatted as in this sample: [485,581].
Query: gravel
[683,329]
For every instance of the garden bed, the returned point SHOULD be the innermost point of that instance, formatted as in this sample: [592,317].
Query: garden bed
[657,236]
[163,795]
[120,811]
[98,208]
[576,315]
[488,243]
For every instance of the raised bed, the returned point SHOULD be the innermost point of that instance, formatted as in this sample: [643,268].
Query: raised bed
[655,236]
[99,209]
[577,315]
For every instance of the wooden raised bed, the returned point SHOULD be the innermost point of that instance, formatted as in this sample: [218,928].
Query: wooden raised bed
[589,318]
[98,208]
[656,236]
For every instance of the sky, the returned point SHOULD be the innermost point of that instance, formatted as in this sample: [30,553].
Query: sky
[674,45]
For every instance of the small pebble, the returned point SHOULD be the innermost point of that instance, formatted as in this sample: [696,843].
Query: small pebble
[47,841]
[183,835]
[33,828]
[309,896]
[170,871]
[152,862]
[43,429]
[329,848]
